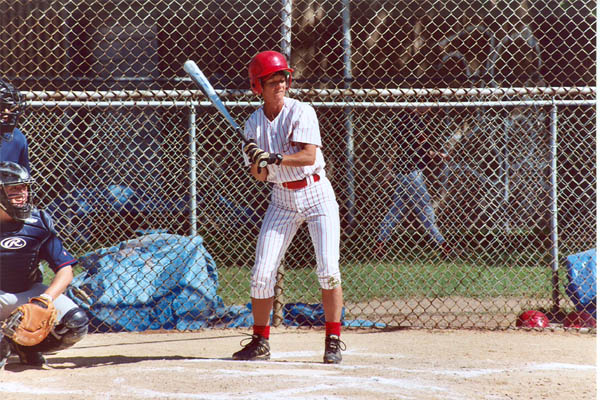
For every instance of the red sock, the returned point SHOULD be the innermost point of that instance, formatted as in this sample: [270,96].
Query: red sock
[333,328]
[261,330]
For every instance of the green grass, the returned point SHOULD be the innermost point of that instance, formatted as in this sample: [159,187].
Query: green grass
[509,276]
[388,280]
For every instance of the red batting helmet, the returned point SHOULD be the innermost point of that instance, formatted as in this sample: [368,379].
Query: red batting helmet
[532,319]
[265,64]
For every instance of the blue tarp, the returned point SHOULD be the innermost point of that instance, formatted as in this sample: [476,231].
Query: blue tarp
[164,281]
[157,281]
[581,273]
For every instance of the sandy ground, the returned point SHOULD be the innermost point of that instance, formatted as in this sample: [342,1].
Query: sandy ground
[403,364]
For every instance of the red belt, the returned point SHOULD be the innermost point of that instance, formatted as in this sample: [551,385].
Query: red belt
[302,183]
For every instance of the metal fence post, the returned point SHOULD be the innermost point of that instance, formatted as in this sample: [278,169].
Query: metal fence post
[192,174]
[554,210]
[349,126]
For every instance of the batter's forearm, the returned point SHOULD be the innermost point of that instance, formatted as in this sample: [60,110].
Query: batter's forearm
[305,157]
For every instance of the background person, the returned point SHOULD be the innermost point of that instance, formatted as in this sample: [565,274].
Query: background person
[13,143]
[412,153]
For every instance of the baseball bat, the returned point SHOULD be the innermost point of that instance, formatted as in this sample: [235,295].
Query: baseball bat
[200,80]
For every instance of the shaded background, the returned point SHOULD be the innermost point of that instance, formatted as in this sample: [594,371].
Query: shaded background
[110,136]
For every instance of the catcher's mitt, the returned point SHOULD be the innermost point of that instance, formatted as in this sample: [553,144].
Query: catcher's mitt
[30,323]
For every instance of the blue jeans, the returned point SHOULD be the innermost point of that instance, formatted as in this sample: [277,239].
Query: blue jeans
[411,195]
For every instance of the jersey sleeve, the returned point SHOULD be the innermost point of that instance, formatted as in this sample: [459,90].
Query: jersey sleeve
[24,157]
[53,250]
[21,148]
[306,126]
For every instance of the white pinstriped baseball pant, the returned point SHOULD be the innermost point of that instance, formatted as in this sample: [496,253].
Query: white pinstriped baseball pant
[289,209]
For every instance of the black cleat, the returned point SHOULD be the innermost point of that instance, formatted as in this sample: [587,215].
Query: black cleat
[4,351]
[333,349]
[257,349]
[28,356]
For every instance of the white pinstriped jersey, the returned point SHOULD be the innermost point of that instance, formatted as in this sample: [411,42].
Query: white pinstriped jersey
[314,204]
[296,123]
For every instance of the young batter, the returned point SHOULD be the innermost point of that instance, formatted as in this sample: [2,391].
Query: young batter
[285,133]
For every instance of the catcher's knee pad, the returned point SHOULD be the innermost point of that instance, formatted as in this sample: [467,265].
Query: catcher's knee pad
[71,329]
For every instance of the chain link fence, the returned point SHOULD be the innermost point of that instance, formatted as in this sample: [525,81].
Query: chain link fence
[122,143]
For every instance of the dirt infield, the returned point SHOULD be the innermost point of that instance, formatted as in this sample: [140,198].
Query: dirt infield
[405,364]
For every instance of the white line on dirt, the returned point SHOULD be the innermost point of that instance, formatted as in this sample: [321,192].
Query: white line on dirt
[307,381]
[17,387]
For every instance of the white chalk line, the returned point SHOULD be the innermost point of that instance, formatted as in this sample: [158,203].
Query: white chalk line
[330,381]
[302,380]
[18,387]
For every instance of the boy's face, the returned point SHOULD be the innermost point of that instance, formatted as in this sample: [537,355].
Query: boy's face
[17,194]
[5,119]
[274,86]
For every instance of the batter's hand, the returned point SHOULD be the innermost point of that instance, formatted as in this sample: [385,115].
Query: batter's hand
[264,158]
[275,158]
[254,152]
[260,157]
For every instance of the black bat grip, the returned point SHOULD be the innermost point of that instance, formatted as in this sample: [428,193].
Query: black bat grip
[262,163]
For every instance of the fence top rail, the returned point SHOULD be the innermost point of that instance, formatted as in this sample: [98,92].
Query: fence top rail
[171,95]
[322,104]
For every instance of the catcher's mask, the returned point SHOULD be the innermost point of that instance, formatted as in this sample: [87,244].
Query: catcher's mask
[265,64]
[15,196]
[11,107]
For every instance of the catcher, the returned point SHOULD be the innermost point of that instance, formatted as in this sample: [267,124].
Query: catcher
[34,318]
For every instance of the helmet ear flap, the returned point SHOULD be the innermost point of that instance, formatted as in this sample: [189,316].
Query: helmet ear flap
[256,86]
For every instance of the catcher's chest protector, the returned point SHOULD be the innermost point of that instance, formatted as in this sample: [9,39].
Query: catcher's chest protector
[19,255]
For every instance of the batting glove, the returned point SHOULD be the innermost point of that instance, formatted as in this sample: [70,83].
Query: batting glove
[254,152]
[275,158]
